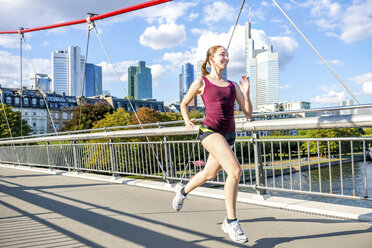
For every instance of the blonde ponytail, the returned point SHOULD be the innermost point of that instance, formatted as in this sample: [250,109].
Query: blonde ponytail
[211,51]
[204,70]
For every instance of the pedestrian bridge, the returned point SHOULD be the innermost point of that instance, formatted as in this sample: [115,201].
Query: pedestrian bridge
[48,197]
[42,208]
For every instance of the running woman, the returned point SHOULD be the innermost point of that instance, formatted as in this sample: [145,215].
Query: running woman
[217,133]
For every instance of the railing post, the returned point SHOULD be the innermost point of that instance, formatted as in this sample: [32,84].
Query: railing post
[114,167]
[48,156]
[168,163]
[75,157]
[258,164]
[28,156]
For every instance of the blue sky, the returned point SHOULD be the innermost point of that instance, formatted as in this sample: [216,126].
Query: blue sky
[340,30]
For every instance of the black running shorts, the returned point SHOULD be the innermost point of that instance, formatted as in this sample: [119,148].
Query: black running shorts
[205,131]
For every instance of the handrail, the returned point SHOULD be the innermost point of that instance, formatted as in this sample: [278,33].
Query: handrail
[344,121]
[166,123]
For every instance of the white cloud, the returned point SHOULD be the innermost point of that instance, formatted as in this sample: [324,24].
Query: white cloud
[197,31]
[366,81]
[236,52]
[332,97]
[331,62]
[362,78]
[357,22]
[165,36]
[284,45]
[175,58]
[287,6]
[157,71]
[109,75]
[167,13]
[192,16]
[10,69]
[9,41]
[218,11]
[367,88]
[284,87]
[348,23]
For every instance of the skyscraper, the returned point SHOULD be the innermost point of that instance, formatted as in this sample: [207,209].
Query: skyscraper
[187,78]
[262,69]
[93,80]
[180,87]
[68,71]
[39,80]
[140,81]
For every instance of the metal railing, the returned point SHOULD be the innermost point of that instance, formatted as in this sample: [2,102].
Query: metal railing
[336,167]
[181,122]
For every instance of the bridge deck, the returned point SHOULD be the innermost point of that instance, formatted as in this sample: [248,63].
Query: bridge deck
[43,210]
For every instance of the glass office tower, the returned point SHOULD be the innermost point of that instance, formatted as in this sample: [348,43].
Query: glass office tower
[140,81]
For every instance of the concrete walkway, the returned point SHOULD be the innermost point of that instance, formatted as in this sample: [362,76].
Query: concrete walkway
[45,210]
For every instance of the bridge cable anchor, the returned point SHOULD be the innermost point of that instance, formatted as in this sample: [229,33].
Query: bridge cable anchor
[21,35]
[90,23]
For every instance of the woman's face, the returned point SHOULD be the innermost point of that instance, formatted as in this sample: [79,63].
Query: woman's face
[220,58]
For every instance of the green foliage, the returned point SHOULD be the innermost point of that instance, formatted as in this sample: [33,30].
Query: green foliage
[333,145]
[195,114]
[120,117]
[368,131]
[90,115]
[146,115]
[14,119]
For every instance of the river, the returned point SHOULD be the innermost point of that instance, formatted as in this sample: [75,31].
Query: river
[359,180]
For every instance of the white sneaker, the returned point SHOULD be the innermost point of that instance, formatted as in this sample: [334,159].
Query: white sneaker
[179,198]
[234,230]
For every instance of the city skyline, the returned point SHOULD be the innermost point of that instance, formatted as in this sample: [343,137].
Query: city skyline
[161,36]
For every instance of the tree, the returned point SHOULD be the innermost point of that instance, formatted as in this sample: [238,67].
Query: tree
[90,114]
[14,119]
[120,117]
[330,133]
[146,115]
[368,131]
[195,114]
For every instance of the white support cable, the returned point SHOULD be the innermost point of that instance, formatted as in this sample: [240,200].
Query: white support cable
[39,89]
[130,103]
[236,23]
[7,123]
[90,27]
[325,62]
[43,94]
[54,126]
[21,37]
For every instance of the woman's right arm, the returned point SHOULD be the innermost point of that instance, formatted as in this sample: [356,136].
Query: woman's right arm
[195,88]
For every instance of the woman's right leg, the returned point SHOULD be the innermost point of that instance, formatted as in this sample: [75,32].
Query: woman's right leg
[209,172]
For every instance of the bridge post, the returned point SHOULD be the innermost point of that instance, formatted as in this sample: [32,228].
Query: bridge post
[48,156]
[258,164]
[75,157]
[168,161]
[114,167]
[28,156]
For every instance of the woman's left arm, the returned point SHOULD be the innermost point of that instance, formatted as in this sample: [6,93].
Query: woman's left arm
[242,96]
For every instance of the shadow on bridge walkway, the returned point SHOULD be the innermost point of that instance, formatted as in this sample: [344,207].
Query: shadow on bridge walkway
[42,210]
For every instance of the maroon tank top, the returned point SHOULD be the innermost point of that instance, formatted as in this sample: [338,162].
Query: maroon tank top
[219,106]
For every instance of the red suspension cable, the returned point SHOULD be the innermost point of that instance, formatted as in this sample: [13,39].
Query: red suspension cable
[93,18]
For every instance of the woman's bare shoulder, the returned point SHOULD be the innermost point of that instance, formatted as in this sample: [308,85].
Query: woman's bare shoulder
[199,82]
